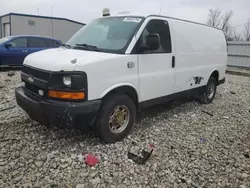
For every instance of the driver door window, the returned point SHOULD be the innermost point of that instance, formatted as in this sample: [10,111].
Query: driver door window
[160,27]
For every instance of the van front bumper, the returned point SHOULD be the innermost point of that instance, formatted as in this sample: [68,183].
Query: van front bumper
[59,113]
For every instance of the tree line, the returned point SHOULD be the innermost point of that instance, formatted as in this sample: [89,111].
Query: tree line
[222,20]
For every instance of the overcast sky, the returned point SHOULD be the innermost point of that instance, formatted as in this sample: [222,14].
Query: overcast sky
[86,10]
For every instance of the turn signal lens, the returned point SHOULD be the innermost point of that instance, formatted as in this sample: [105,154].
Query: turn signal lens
[66,95]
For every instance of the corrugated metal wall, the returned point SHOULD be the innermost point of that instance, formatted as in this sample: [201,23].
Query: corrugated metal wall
[58,29]
[239,54]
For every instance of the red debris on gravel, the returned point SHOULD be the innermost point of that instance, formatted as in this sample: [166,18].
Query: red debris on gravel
[151,145]
[91,160]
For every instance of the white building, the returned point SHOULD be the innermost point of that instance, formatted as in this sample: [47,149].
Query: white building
[23,24]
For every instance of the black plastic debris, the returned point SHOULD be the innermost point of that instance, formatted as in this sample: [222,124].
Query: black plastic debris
[139,155]
[246,156]
[10,74]
[183,180]
[232,92]
[208,113]
[54,186]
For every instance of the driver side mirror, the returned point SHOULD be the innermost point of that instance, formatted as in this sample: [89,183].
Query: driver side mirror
[8,45]
[152,42]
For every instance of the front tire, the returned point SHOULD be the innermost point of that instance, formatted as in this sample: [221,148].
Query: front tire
[116,118]
[210,91]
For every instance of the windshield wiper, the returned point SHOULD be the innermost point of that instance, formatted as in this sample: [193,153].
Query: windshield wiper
[66,45]
[88,47]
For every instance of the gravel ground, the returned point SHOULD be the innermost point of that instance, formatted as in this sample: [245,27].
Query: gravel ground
[192,148]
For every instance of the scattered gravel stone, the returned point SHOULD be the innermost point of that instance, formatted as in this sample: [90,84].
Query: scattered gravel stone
[242,186]
[80,186]
[38,163]
[191,148]
[189,181]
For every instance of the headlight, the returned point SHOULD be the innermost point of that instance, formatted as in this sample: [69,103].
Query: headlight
[68,85]
[67,81]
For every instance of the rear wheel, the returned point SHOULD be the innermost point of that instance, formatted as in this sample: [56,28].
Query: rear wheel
[210,91]
[116,118]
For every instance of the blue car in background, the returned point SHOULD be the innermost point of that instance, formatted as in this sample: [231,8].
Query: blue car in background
[14,49]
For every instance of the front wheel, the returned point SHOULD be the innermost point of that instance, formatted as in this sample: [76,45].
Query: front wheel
[116,118]
[210,91]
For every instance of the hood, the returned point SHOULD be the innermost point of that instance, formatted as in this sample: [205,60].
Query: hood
[63,59]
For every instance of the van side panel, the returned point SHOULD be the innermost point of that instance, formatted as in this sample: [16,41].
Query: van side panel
[199,51]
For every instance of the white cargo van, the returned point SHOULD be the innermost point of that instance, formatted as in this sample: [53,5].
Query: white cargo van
[116,66]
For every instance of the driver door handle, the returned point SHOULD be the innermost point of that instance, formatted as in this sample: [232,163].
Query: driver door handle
[130,64]
[25,50]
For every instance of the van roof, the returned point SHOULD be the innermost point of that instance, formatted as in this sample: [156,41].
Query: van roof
[183,20]
[160,16]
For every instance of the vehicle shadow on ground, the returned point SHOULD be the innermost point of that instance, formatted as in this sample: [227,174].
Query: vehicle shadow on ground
[165,107]
[72,136]
[157,110]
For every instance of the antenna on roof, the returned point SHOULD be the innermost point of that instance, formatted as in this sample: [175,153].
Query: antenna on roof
[160,8]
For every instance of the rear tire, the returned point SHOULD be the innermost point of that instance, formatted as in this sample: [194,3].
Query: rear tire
[210,91]
[116,118]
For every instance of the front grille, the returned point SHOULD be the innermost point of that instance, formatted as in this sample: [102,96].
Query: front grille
[40,74]
[34,89]
[40,79]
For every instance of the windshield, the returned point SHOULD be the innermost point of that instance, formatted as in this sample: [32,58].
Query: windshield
[110,34]
[2,40]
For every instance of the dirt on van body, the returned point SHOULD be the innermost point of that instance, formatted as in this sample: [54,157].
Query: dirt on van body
[192,148]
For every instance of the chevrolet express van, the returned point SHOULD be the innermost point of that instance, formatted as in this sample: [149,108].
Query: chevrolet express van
[117,65]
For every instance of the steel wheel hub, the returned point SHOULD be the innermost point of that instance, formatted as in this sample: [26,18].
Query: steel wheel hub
[119,119]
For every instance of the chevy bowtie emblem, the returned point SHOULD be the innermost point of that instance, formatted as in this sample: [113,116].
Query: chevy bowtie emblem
[30,79]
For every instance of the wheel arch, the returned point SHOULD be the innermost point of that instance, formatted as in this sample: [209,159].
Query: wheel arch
[215,74]
[125,88]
